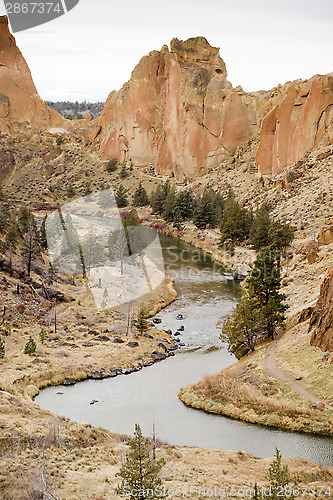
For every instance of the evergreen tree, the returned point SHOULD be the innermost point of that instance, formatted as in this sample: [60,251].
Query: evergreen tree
[124,173]
[30,346]
[42,234]
[157,200]
[207,211]
[112,165]
[260,234]
[169,207]
[121,197]
[29,248]
[140,198]
[132,219]
[236,221]
[139,473]
[279,478]
[185,204]
[11,243]
[177,219]
[2,349]
[141,322]
[243,328]
[263,285]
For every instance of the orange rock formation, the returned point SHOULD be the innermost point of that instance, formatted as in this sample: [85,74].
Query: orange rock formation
[20,105]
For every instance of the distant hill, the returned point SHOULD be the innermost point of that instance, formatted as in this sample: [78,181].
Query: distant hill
[73,110]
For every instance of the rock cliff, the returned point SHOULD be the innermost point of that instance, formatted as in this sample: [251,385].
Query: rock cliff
[179,112]
[321,322]
[20,105]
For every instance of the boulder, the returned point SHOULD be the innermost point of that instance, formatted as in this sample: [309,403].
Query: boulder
[158,356]
[325,235]
[118,340]
[132,344]
[68,381]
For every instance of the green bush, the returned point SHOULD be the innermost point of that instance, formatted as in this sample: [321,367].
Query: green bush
[30,346]
[112,165]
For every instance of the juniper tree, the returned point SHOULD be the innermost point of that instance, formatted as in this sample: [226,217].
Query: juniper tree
[141,322]
[30,346]
[263,286]
[243,328]
[138,472]
[279,478]
[121,197]
[140,198]
[42,234]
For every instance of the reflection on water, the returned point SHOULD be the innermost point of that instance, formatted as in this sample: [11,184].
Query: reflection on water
[205,297]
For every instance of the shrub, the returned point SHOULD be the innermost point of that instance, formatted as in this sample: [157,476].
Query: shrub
[30,346]
[112,165]
[2,349]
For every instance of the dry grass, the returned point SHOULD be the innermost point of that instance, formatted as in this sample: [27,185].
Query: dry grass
[223,388]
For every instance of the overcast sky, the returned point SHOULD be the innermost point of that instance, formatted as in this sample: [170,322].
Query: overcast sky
[92,50]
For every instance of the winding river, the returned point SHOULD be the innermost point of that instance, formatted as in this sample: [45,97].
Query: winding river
[150,396]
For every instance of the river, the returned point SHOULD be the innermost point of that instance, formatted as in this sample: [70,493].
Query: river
[206,296]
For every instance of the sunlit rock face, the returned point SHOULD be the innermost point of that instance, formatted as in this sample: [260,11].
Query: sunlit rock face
[321,321]
[179,112]
[20,104]
[300,118]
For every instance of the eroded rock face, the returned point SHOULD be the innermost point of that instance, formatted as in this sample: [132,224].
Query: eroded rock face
[178,111]
[321,322]
[301,118]
[20,104]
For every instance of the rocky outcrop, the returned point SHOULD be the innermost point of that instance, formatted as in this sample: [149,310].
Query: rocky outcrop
[179,112]
[321,321]
[20,105]
[301,117]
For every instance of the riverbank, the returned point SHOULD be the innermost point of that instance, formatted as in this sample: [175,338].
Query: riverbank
[206,240]
[302,276]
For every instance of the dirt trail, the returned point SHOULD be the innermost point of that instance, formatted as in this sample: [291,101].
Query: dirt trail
[271,368]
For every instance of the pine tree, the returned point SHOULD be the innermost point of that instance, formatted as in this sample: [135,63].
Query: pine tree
[29,248]
[260,234]
[263,286]
[242,330]
[140,198]
[169,207]
[141,323]
[177,219]
[236,221]
[184,203]
[2,349]
[42,234]
[157,200]
[139,473]
[279,477]
[30,346]
[121,197]
[42,335]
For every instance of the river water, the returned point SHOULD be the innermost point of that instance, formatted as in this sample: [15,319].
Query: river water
[206,296]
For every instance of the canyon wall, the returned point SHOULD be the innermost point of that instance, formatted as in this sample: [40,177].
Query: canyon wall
[21,108]
[321,322]
[179,112]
